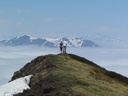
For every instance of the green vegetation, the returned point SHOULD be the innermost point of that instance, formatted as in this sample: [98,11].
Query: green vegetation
[71,75]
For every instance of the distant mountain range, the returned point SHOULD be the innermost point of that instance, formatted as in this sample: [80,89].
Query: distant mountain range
[26,40]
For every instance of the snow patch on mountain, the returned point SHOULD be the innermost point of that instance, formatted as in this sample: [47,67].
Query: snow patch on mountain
[77,41]
[15,87]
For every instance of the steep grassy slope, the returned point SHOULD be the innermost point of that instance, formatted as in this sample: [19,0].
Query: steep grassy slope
[71,75]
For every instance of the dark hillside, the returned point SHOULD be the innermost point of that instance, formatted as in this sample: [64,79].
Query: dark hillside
[71,75]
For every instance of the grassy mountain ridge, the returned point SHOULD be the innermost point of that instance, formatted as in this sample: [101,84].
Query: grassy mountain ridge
[71,75]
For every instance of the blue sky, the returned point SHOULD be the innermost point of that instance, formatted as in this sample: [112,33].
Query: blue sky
[68,18]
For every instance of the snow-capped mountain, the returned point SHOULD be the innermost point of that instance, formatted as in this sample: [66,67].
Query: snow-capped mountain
[47,42]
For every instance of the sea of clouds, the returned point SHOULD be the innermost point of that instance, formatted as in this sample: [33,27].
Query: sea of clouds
[14,58]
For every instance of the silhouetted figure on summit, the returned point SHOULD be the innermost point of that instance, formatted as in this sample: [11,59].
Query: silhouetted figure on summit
[61,47]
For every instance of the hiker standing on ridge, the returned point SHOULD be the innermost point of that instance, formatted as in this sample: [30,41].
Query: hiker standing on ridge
[65,43]
[61,47]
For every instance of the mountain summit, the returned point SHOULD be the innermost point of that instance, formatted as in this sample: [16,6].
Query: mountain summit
[70,75]
[26,40]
